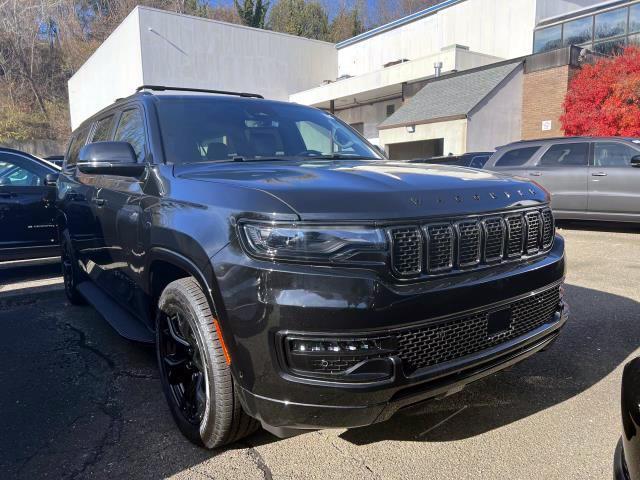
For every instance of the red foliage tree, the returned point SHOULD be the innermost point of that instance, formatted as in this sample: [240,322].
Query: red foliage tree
[604,98]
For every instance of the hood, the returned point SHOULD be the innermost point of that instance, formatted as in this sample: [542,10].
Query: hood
[373,190]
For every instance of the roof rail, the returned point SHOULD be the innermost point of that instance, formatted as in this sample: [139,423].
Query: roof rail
[161,88]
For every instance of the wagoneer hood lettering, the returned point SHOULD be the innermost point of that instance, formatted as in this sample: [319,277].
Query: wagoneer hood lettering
[372,189]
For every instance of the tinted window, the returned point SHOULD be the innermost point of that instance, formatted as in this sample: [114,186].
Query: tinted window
[131,130]
[566,155]
[77,143]
[613,154]
[103,130]
[478,161]
[577,31]
[547,39]
[12,175]
[517,157]
[610,24]
[253,130]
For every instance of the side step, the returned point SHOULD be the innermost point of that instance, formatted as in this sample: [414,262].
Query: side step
[122,321]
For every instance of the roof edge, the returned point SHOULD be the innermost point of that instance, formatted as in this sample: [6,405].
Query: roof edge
[397,23]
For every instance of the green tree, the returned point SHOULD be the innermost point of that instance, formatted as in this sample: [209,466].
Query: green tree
[299,17]
[252,12]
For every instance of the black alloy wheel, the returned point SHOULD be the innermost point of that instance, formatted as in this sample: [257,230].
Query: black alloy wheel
[182,366]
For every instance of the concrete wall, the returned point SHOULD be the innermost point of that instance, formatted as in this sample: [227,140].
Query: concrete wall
[113,71]
[179,50]
[454,133]
[551,8]
[39,148]
[156,47]
[502,28]
[497,120]
[371,115]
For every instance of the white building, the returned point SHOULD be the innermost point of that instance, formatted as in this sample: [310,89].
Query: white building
[371,80]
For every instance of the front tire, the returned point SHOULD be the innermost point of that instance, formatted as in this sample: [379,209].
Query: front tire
[196,378]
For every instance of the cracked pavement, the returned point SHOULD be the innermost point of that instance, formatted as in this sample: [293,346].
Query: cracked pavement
[77,401]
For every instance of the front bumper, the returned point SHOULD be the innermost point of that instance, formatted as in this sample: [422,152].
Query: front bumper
[261,301]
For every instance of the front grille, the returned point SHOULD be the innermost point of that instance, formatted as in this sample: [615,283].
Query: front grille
[455,338]
[407,250]
[468,243]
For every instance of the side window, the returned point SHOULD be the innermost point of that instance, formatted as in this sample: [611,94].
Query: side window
[516,157]
[131,130]
[78,141]
[478,161]
[103,130]
[12,175]
[613,154]
[566,155]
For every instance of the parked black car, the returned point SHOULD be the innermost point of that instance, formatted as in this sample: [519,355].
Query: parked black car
[469,159]
[590,178]
[27,207]
[627,458]
[288,274]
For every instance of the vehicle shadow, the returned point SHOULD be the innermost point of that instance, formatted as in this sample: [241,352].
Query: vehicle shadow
[602,332]
[594,226]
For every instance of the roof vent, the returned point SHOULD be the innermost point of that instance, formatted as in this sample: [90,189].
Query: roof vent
[437,66]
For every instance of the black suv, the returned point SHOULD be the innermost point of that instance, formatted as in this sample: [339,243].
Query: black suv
[288,274]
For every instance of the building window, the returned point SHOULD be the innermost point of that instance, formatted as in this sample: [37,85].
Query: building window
[577,31]
[612,47]
[634,18]
[390,109]
[358,127]
[547,39]
[611,24]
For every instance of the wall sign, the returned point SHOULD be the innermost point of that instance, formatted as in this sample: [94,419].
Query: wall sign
[546,125]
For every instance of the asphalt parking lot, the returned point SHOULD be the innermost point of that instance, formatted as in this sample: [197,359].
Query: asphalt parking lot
[78,401]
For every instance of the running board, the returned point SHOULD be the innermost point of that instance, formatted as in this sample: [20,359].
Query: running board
[122,321]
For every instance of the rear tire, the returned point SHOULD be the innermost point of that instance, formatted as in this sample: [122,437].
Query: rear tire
[71,274]
[196,378]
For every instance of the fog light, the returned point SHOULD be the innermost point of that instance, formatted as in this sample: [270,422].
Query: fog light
[335,357]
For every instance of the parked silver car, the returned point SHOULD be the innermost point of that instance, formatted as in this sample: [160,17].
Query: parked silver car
[588,177]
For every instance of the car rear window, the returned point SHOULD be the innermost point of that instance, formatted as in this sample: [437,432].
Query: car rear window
[517,157]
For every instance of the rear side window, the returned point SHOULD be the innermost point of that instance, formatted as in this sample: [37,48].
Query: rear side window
[478,161]
[79,140]
[566,155]
[131,130]
[103,130]
[613,154]
[516,157]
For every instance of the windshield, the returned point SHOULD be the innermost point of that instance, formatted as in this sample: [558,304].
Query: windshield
[222,129]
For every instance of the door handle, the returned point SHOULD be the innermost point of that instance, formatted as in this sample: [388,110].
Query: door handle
[535,174]
[99,201]
[599,174]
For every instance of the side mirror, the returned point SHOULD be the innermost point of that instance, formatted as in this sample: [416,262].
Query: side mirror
[51,179]
[635,161]
[110,158]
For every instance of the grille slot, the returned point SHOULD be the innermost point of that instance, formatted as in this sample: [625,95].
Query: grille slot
[406,258]
[439,247]
[433,344]
[515,235]
[547,228]
[534,231]
[468,243]
[494,233]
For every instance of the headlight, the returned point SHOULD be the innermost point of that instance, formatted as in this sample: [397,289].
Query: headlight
[321,243]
